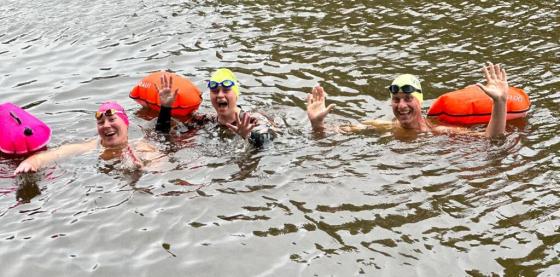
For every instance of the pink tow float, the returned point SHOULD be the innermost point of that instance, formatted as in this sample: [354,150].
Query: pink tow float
[21,133]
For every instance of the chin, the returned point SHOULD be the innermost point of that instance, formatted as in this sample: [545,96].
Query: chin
[112,143]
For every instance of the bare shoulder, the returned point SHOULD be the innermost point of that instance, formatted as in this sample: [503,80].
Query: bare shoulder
[144,146]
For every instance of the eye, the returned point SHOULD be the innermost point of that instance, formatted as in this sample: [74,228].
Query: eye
[396,100]
[408,98]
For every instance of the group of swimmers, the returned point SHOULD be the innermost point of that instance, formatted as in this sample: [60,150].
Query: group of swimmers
[406,102]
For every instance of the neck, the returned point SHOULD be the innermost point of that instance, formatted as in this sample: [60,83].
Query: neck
[229,117]
[118,147]
[420,125]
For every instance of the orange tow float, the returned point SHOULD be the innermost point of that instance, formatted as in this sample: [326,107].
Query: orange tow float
[188,98]
[471,105]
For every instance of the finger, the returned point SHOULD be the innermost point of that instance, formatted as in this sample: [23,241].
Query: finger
[175,93]
[309,99]
[165,83]
[321,93]
[160,83]
[316,94]
[492,71]
[483,87]
[504,75]
[330,107]
[231,127]
[246,118]
[251,127]
[237,121]
[486,74]
[498,70]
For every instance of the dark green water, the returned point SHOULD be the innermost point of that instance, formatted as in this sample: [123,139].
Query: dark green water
[340,205]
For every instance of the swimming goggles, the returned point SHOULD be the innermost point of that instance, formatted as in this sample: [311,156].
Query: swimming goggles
[406,89]
[108,112]
[226,84]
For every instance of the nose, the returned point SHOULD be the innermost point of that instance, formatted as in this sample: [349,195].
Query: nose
[401,103]
[106,123]
[221,90]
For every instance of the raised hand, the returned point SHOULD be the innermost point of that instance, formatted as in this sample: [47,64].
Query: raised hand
[496,82]
[243,126]
[497,88]
[166,95]
[316,110]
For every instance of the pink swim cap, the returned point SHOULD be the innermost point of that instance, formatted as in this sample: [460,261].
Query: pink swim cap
[114,105]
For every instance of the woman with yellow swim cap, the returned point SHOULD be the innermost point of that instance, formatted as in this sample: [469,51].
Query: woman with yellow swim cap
[224,93]
[406,103]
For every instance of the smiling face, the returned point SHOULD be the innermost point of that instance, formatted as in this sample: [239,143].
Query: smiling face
[112,131]
[407,110]
[224,102]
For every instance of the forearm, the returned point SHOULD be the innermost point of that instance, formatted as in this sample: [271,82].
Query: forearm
[318,126]
[163,123]
[497,125]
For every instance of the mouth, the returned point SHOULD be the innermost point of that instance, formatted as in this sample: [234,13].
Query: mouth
[222,103]
[405,113]
[109,134]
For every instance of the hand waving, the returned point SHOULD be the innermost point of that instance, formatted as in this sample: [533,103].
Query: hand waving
[166,95]
[316,111]
[496,82]
[243,126]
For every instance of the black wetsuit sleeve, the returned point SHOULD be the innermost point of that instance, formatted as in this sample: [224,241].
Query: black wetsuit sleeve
[261,135]
[163,123]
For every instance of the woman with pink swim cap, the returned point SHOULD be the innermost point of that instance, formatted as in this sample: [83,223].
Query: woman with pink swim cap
[112,128]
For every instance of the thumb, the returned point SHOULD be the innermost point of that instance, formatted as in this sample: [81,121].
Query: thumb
[482,87]
[330,107]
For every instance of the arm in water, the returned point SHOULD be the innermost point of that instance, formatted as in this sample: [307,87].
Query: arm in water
[39,160]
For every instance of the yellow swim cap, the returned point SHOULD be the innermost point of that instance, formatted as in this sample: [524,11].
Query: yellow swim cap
[223,74]
[411,80]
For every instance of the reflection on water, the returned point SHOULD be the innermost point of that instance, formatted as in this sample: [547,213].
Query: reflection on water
[370,203]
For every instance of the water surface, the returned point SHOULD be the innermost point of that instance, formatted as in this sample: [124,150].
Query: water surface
[342,205]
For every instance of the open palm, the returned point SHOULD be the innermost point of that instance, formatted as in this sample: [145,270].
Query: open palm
[316,110]
[496,82]
[166,95]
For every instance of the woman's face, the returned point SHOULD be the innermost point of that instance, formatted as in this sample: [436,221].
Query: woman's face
[112,131]
[223,100]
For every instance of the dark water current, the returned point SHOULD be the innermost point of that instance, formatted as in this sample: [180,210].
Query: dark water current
[340,205]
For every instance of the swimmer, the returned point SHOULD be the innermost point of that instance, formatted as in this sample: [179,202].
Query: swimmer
[112,128]
[406,103]
[224,93]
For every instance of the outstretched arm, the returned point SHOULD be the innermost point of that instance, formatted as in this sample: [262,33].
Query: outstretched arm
[316,110]
[35,162]
[497,88]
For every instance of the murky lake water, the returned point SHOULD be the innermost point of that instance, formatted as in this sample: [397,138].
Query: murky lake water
[339,205]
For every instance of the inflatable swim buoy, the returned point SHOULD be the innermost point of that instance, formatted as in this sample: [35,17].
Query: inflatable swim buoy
[22,133]
[188,97]
[471,105]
